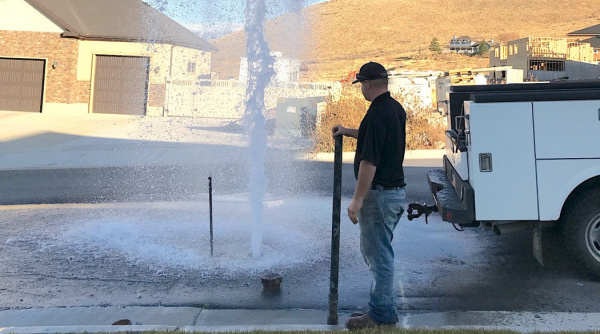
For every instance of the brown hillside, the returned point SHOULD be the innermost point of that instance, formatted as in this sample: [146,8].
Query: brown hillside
[336,37]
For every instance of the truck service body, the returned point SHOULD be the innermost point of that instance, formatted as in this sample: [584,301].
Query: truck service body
[522,156]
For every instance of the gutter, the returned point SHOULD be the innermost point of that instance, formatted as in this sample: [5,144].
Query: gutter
[70,34]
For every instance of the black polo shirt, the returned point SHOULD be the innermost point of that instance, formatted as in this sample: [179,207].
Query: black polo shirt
[382,141]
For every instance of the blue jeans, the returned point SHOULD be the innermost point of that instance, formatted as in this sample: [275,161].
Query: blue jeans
[377,219]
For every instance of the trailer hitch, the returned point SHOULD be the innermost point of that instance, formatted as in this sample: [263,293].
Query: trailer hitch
[415,210]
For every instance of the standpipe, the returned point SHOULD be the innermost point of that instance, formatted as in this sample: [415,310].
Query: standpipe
[332,319]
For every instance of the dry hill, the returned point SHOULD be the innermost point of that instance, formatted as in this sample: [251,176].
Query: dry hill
[335,37]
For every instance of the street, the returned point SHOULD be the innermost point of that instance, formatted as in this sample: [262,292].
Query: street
[177,183]
[138,236]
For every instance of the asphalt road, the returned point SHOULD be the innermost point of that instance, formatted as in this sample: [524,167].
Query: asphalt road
[437,267]
[176,183]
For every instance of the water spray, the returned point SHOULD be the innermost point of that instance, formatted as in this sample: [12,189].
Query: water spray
[260,71]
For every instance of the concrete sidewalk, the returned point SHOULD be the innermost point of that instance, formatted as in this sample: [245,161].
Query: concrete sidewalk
[190,319]
[41,141]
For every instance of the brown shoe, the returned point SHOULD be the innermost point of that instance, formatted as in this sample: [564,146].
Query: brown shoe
[360,322]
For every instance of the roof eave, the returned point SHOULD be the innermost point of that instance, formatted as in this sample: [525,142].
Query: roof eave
[69,34]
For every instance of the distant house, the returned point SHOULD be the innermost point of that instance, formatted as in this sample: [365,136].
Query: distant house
[287,70]
[586,32]
[589,35]
[595,43]
[463,44]
[547,58]
[109,56]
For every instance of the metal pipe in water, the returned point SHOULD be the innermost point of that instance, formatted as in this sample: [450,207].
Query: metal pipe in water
[210,213]
[332,319]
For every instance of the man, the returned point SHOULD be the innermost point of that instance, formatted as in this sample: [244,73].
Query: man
[379,196]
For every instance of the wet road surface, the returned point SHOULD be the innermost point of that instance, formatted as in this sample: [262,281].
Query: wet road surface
[50,260]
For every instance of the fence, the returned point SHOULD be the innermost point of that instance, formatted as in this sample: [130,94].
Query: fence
[225,98]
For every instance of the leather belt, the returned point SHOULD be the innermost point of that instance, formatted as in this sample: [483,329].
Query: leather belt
[380,187]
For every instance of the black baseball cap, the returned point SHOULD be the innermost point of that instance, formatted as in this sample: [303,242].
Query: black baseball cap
[370,71]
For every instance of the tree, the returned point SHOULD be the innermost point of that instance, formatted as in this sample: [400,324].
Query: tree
[435,45]
[483,48]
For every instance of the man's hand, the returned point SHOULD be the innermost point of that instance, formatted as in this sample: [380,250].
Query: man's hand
[338,130]
[353,209]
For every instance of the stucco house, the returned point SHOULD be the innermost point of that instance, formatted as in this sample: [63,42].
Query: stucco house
[90,56]
[595,43]
[589,35]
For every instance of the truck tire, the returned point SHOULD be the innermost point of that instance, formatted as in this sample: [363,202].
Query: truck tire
[581,228]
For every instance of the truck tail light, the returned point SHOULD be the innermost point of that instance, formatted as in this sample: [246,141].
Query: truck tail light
[485,162]
[448,216]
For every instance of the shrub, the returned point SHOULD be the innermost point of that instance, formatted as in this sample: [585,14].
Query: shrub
[425,128]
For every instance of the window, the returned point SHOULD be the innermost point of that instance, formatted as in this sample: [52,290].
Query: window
[516,50]
[503,52]
[191,67]
[547,65]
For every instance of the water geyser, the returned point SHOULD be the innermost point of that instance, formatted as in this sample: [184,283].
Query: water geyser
[260,71]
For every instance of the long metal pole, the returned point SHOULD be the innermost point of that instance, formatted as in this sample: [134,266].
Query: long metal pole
[211,215]
[332,319]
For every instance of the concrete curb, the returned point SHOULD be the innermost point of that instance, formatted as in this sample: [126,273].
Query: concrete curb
[249,328]
[189,319]
[84,329]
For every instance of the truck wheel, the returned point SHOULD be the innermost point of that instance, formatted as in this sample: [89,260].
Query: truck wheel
[581,226]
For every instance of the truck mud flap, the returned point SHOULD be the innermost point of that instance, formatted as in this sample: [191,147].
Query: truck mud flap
[452,207]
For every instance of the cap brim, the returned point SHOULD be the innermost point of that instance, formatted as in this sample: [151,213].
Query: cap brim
[355,81]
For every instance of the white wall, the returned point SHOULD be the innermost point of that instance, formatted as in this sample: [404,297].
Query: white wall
[286,69]
[581,70]
[418,93]
[20,16]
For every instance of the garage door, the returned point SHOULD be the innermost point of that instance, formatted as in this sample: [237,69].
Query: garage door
[21,84]
[121,85]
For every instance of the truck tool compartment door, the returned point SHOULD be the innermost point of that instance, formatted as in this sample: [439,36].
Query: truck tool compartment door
[503,132]
[567,129]
[567,145]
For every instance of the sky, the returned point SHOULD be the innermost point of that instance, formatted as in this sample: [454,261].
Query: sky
[194,12]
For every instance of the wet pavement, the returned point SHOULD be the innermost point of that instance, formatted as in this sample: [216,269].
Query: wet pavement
[120,254]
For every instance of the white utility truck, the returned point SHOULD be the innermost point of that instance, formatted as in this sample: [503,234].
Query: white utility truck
[523,156]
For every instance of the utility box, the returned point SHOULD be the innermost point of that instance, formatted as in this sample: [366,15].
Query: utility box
[296,117]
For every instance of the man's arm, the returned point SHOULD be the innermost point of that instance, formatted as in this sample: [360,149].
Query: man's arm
[366,173]
[339,130]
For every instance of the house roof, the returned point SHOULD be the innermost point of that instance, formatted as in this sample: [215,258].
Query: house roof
[118,20]
[593,30]
[462,38]
[594,41]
